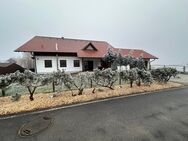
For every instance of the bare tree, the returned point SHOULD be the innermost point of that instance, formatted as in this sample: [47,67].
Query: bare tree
[11,60]
[26,61]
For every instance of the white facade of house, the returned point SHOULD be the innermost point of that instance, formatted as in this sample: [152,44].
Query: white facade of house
[40,64]
[70,64]
[55,64]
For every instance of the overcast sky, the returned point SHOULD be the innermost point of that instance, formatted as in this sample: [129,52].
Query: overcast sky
[159,27]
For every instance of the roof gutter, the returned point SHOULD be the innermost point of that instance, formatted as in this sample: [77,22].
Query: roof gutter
[153,60]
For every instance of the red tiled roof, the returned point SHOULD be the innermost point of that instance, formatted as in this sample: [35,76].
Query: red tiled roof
[64,45]
[135,53]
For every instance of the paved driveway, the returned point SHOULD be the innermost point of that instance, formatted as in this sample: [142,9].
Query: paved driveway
[161,116]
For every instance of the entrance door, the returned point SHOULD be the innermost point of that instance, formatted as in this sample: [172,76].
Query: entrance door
[88,66]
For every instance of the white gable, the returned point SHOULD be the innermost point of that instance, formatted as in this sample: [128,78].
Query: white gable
[89,48]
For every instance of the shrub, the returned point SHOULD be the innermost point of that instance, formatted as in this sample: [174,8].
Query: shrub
[110,57]
[124,75]
[105,78]
[90,76]
[130,75]
[56,78]
[68,81]
[80,82]
[115,60]
[5,82]
[144,76]
[31,81]
[163,75]
[147,78]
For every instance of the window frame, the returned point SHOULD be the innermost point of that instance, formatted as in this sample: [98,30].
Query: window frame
[61,64]
[46,65]
[75,62]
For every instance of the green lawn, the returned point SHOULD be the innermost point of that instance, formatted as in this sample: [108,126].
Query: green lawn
[12,90]
[22,90]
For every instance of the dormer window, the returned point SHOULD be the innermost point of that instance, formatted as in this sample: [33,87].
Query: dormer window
[90,47]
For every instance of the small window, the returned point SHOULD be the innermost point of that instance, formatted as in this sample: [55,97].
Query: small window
[48,63]
[63,63]
[76,63]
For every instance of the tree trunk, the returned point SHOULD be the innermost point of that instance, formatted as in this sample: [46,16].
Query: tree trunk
[3,92]
[131,82]
[111,88]
[139,82]
[31,97]
[53,86]
[73,94]
[168,78]
[120,76]
[31,93]
[80,91]
[93,91]
[119,79]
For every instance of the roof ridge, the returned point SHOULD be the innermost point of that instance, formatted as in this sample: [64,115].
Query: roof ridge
[6,64]
[46,37]
[130,49]
[63,38]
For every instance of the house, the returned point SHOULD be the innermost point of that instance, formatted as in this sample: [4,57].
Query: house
[7,68]
[73,55]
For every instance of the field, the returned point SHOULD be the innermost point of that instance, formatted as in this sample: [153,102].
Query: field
[47,100]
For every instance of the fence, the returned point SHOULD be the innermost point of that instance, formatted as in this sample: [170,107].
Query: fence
[180,68]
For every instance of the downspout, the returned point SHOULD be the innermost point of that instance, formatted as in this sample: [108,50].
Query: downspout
[83,68]
[35,64]
[57,60]
[34,60]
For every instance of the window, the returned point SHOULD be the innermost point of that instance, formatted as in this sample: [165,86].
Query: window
[63,63]
[76,63]
[48,63]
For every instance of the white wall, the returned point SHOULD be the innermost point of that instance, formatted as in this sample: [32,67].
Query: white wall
[70,64]
[40,67]
[123,68]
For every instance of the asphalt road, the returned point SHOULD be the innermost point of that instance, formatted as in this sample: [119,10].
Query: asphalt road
[161,116]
